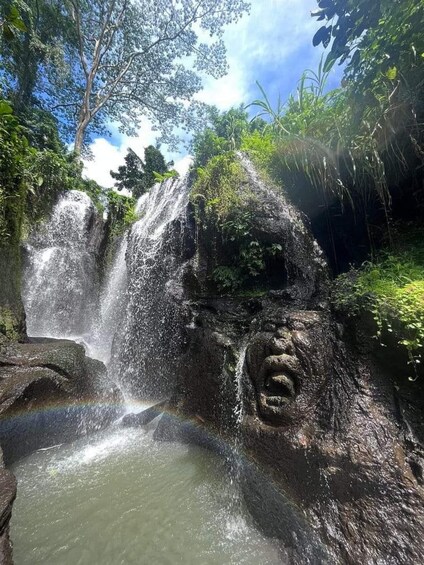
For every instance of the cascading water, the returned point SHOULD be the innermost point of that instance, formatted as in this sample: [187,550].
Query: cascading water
[233,456]
[238,382]
[111,306]
[150,334]
[60,278]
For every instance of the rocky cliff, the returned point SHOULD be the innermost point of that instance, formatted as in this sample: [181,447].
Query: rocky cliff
[331,437]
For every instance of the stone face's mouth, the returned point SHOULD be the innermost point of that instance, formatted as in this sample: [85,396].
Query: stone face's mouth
[279,378]
[281,383]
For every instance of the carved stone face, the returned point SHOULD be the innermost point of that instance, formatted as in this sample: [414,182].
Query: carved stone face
[288,365]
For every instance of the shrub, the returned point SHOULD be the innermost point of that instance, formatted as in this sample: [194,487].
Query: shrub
[392,289]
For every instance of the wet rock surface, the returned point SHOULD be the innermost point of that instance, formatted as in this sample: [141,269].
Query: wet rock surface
[51,392]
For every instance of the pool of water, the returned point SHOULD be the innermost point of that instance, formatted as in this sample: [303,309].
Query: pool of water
[119,497]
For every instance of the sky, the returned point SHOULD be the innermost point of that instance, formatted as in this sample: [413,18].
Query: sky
[272,45]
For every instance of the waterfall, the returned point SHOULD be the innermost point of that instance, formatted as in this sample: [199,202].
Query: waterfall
[111,306]
[148,339]
[60,277]
[134,324]
[238,381]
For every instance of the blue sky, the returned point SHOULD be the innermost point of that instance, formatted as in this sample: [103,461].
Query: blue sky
[272,45]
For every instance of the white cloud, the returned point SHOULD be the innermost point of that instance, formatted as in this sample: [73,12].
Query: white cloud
[265,40]
[182,165]
[107,156]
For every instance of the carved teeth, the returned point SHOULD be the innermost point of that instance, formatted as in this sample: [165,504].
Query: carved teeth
[276,401]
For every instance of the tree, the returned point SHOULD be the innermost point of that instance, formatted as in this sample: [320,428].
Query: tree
[37,34]
[139,58]
[138,176]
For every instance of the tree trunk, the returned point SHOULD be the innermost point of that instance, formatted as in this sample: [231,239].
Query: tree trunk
[84,120]
[79,138]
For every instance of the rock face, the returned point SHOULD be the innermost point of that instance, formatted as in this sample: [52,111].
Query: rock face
[333,440]
[12,316]
[49,392]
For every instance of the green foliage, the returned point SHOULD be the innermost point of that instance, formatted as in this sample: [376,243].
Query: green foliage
[225,132]
[303,134]
[260,148]
[14,152]
[139,176]
[172,174]
[227,279]
[33,176]
[121,213]
[344,146]
[215,192]
[9,325]
[392,288]
[11,22]
[377,39]
[44,31]
[223,207]
[47,174]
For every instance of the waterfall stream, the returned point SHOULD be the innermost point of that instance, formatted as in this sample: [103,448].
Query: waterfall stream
[60,278]
[149,335]
[132,322]
[112,305]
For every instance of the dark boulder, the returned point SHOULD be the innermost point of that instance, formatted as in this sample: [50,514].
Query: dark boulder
[51,392]
[143,418]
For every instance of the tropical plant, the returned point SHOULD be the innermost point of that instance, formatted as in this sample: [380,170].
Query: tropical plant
[14,151]
[121,213]
[224,132]
[392,288]
[376,39]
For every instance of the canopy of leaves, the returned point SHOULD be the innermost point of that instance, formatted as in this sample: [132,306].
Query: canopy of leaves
[41,32]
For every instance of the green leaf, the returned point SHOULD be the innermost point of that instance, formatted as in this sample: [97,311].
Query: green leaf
[5,108]
[8,32]
[391,73]
[329,61]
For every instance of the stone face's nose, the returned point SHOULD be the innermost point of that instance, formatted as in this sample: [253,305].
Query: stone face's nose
[281,342]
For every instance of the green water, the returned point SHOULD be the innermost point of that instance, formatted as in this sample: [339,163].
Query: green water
[121,498]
